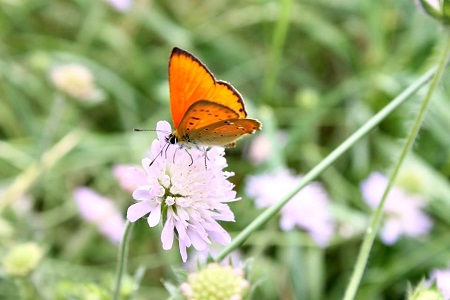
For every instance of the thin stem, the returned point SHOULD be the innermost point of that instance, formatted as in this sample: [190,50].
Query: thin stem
[276,50]
[375,222]
[122,259]
[327,161]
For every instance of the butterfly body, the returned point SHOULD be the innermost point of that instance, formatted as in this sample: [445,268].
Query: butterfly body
[205,111]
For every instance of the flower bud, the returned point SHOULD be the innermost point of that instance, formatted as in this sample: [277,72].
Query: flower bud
[438,9]
[215,282]
[22,259]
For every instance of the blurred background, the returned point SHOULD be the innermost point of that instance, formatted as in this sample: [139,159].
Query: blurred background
[76,76]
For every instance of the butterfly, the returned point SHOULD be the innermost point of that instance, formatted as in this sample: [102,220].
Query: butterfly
[205,111]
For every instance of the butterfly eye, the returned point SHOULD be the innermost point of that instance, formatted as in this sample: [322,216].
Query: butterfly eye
[172,139]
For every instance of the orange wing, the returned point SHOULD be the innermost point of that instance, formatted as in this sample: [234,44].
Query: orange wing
[209,123]
[191,81]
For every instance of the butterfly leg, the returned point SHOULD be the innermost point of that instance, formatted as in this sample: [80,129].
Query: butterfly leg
[192,160]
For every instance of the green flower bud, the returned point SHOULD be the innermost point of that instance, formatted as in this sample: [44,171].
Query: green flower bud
[438,9]
[215,282]
[22,259]
[424,292]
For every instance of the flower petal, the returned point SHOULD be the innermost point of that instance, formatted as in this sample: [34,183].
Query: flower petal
[138,210]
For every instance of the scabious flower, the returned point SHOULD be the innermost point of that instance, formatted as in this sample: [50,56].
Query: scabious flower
[75,80]
[124,174]
[425,291]
[215,282]
[404,215]
[442,279]
[101,212]
[308,209]
[261,147]
[120,5]
[438,9]
[185,189]
[22,259]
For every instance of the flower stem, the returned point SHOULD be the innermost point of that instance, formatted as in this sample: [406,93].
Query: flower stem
[373,227]
[122,259]
[327,161]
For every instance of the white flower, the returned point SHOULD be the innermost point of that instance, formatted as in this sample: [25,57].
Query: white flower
[76,80]
[185,190]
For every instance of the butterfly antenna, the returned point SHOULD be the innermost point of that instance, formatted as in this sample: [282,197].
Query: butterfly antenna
[154,130]
[159,154]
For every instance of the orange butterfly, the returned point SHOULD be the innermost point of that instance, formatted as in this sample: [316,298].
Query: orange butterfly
[205,111]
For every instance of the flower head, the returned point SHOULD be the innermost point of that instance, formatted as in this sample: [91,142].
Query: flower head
[22,259]
[308,209]
[215,282]
[187,190]
[442,279]
[76,80]
[100,211]
[438,9]
[124,174]
[120,5]
[425,291]
[403,211]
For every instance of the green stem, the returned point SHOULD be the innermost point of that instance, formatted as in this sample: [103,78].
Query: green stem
[327,161]
[122,259]
[373,228]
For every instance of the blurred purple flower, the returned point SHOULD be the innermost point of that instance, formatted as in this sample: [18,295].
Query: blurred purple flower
[120,5]
[261,148]
[403,211]
[186,196]
[442,279]
[125,175]
[101,212]
[309,209]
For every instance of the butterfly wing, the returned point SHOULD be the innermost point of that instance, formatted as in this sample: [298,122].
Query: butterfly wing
[208,123]
[191,81]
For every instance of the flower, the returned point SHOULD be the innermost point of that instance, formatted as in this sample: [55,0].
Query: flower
[308,209]
[124,174]
[442,279]
[404,214]
[120,5]
[187,191]
[261,147]
[101,212]
[425,291]
[22,259]
[438,9]
[215,282]
[76,80]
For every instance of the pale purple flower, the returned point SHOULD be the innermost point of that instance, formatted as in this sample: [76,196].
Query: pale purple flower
[403,211]
[120,5]
[442,279]
[101,212]
[124,174]
[183,193]
[309,209]
[261,147]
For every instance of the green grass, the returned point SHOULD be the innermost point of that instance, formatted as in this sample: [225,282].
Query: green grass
[317,70]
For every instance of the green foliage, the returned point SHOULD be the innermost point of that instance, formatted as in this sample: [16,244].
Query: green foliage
[316,70]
